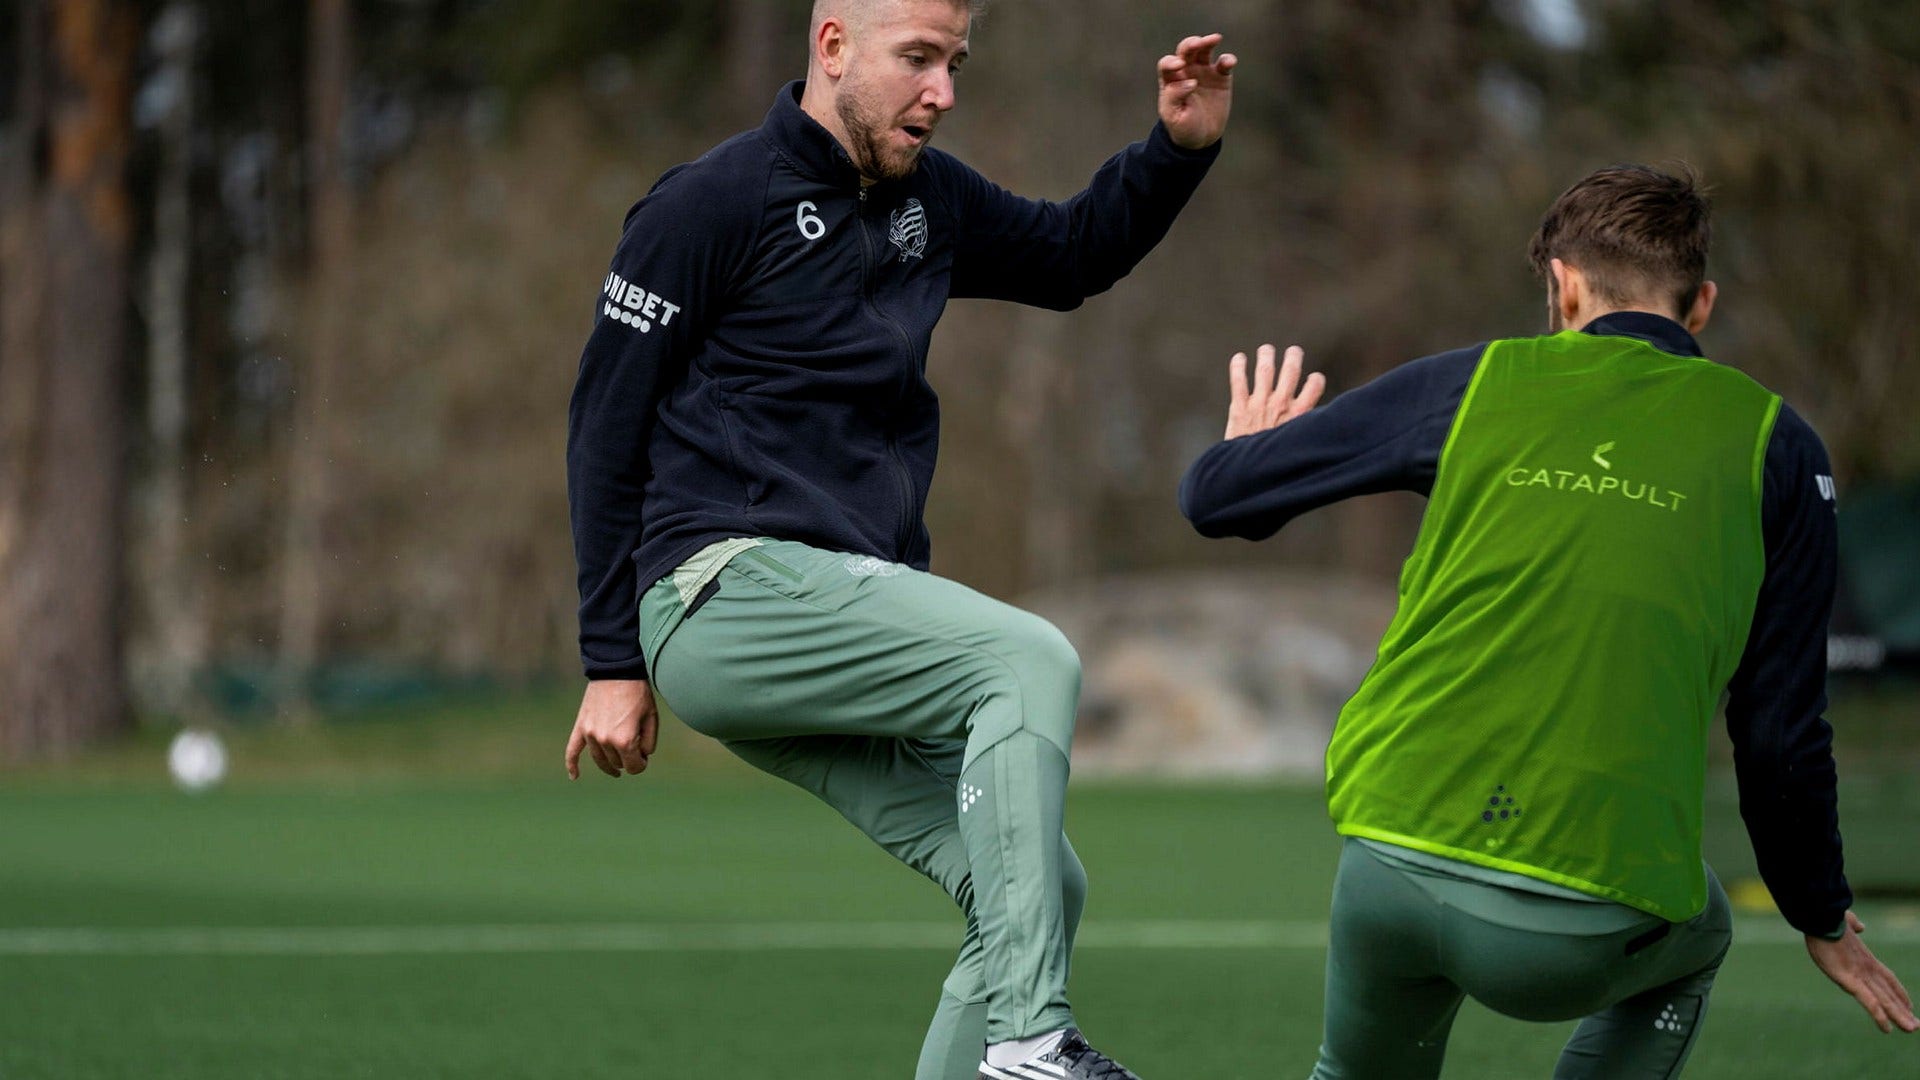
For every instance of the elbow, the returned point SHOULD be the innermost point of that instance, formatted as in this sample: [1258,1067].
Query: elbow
[1201,507]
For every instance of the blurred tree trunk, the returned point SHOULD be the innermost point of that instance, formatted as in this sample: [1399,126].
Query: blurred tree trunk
[169,580]
[756,43]
[65,230]
[1045,409]
[304,584]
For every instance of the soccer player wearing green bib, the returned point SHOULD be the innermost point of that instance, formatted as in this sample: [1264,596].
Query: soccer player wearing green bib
[751,441]
[1618,530]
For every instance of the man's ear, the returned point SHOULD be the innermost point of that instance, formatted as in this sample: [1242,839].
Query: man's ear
[830,48]
[1701,309]
[1570,291]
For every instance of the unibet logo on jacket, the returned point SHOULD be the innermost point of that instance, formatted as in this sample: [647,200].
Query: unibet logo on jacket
[629,303]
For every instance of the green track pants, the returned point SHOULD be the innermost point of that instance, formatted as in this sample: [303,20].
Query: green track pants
[1408,945]
[935,719]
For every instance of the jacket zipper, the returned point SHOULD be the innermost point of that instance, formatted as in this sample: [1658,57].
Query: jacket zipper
[908,503]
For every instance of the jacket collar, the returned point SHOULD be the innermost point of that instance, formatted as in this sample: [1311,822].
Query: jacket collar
[800,139]
[1656,330]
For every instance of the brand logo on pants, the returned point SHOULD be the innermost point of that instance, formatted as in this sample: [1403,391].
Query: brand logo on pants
[868,566]
[968,796]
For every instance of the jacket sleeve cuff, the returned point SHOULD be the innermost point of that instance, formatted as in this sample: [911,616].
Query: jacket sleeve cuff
[635,668]
[1823,920]
[1162,143]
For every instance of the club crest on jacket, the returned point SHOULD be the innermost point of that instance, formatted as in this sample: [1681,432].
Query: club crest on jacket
[909,231]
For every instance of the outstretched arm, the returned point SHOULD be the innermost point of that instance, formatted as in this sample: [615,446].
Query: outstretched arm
[1782,746]
[1056,254]
[1280,460]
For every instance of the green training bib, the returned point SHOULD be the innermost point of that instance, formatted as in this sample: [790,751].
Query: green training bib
[1580,593]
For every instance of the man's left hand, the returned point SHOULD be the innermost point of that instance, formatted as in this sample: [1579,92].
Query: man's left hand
[1196,92]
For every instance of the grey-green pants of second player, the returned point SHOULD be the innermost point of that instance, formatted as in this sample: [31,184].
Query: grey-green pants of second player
[1408,944]
[936,720]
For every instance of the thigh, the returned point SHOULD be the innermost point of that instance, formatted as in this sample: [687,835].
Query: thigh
[1690,953]
[1389,1007]
[798,641]
[903,799]
[1648,1030]
[903,794]
[1583,960]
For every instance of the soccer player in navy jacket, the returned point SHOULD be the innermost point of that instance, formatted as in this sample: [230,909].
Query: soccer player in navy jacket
[751,442]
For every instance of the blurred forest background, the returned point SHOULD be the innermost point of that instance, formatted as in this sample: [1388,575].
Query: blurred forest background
[292,293]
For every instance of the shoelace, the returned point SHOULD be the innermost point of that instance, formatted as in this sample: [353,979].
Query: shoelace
[1098,1065]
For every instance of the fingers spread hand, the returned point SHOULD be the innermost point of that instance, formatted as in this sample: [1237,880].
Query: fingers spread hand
[1870,1001]
[1290,373]
[1898,1002]
[1275,394]
[1237,401]
[1854,968]
[1855,983]
[1310,393]
[1291,396]
[1263,380]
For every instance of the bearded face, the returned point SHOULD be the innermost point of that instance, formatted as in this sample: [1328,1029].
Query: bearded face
[898,82]
[884,142]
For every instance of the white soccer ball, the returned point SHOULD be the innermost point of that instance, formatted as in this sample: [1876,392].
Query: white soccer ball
[197,760]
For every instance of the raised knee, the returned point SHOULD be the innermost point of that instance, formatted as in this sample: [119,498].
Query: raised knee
[1028,680]
[1043,661]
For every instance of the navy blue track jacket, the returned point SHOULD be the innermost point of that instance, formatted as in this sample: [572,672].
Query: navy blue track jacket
[757,366]
[1388,436]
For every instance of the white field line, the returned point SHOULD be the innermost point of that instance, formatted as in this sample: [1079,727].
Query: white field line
[706,937]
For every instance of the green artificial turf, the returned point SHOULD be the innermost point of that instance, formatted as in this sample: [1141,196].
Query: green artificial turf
[851,947]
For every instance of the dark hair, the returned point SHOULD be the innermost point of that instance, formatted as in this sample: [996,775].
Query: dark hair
[1635,232]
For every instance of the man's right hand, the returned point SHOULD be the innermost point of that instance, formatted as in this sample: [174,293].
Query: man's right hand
[618,725]
[1271,400]
[1854,968]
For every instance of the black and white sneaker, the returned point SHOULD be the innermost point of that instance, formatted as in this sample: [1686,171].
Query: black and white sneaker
[1072,1059]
